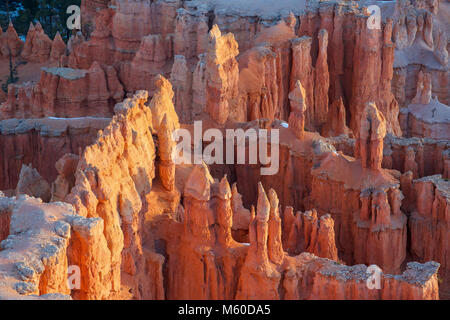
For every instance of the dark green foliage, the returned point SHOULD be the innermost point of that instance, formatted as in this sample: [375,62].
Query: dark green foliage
[7,8]
[12,77]
[9,5]
[50,13]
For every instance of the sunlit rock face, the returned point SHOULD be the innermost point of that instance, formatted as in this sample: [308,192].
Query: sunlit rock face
[90,176]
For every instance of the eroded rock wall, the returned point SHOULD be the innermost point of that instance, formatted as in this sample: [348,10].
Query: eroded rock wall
[116,190]
[429,222]
[65,92]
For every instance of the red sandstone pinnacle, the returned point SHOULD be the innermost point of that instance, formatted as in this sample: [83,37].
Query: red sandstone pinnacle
[90,252]
[66,167]
[429,222]
[258,271]
[126,148]
[38,45]
[381,211]
[149,61]
[58,48]
[260,226]
[365,207]
[325,245]
[446,173]
[224,212]
[166,143]
[406,185]
[322,82]
[297,116]
[274,245]
[10,43]
[198,185]
[28,46]
[372,130]
[428,29]
[31,183]
[259,84]
[373,61]
[381,222]
[303,70]
[162,105]
[423,94]
[410,162]
[205,243]
[165,150]
[222,74]
[181,78]
[308,233]
[264,73]
[336,122]
[288,221]
[241,215]
[199,87]
[2,95]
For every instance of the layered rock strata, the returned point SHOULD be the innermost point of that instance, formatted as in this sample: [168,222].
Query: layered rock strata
[429,222]
[65,92]
[41,143]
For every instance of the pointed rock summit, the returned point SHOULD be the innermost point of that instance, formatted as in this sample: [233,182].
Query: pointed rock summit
[222,74]
[372,130]
[198,185]
[11,43]
[263,207]
[224,191]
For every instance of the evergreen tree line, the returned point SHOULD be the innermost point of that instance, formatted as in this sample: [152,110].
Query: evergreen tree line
[50,13]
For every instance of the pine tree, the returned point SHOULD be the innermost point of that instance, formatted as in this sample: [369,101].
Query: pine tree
[12,78]
[6,8]
[9,6]
[50,13]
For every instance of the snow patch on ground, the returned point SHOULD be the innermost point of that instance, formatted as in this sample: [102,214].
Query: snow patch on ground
[66,73]
[434,112]
[262,8]
[418,53]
